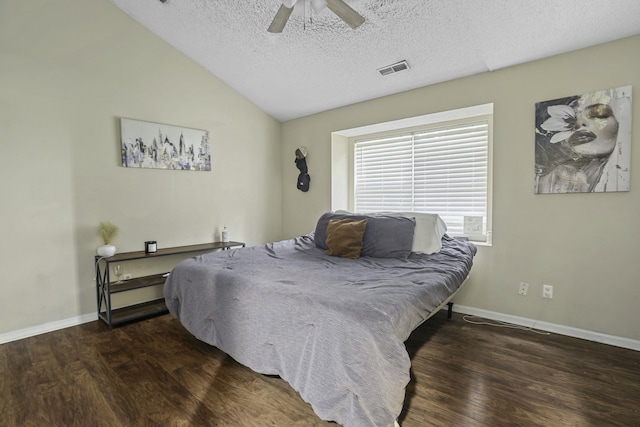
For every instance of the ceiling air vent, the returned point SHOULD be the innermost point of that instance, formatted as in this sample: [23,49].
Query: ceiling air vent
[394,68]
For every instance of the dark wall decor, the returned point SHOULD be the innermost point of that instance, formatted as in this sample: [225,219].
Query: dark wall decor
[304,180]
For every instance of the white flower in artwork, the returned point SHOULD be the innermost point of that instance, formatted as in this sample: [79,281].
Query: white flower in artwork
[563,121]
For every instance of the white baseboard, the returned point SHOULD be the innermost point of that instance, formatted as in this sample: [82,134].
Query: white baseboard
[551,327]
[516,320]
[47,327]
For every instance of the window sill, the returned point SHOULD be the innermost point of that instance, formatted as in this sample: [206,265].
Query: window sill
[486,241]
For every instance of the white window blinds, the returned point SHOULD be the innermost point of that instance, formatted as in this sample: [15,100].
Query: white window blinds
[439,170]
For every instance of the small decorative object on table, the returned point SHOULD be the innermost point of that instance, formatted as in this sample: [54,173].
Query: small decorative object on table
[108,232]
[225,234]
[150,246]
[118,271]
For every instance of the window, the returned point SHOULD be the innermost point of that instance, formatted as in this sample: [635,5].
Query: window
[441,168]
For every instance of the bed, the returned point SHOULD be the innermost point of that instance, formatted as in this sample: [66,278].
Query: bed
[332,326]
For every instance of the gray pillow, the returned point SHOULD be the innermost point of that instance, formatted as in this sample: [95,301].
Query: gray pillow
[384,237]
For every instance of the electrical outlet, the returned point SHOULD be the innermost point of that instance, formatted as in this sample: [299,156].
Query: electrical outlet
[523,289]
[547,291]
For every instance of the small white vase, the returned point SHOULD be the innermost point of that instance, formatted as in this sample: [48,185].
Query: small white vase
[106,250]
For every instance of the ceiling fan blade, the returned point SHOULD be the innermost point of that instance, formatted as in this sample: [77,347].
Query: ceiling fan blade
[280,20]
[344,11]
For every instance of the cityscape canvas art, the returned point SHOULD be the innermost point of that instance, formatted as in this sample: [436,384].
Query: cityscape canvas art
[161,146]
[583,143]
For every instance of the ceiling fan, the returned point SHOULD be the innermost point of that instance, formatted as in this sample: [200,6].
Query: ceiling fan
[339,7]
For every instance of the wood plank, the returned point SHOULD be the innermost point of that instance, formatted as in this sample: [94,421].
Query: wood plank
[154,372]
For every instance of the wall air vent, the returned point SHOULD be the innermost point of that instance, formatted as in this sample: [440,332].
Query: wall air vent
[394,68]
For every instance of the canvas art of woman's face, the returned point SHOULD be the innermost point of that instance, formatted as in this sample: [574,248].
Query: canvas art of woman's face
[589,130]
[582,142]
[585,132]
[596,131]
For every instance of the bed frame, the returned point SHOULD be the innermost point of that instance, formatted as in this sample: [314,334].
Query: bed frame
[446,302]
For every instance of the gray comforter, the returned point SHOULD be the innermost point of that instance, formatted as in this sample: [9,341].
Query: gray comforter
[333,328]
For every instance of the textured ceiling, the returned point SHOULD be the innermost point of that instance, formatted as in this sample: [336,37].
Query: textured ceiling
[318,63]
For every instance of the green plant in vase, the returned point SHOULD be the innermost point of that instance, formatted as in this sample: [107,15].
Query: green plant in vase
[108,232]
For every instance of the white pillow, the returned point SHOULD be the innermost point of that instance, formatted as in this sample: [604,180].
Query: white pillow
[427,237]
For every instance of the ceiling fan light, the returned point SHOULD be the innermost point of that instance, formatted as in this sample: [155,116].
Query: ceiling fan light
[318,5]
[289,3]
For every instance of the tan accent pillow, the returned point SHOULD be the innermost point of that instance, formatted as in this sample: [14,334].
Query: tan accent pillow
[345,237]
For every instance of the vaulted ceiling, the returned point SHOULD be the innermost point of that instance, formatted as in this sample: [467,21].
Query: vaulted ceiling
[318,62]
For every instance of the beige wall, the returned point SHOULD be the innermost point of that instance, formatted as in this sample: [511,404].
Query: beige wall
[69,70]
[582,244]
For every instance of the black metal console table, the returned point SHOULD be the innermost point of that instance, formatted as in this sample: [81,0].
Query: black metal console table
[105,287]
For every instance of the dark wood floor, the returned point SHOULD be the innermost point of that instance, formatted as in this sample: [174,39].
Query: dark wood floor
[154,373]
